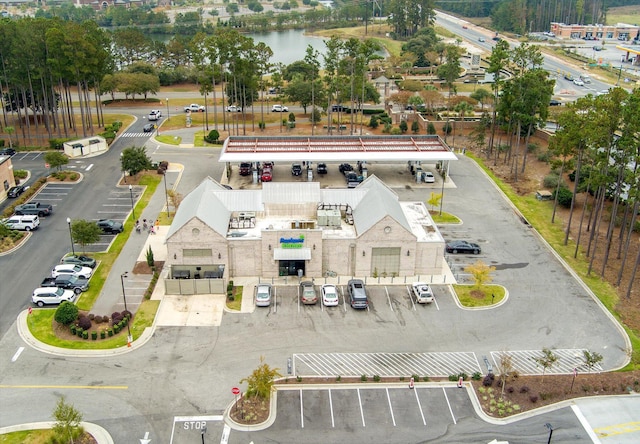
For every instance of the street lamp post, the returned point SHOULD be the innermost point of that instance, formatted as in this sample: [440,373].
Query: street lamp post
[73,251]
[166,194]
[168,108]
[133,210]
[124,297]
[124,175]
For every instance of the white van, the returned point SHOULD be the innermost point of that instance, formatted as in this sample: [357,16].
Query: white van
[23,223]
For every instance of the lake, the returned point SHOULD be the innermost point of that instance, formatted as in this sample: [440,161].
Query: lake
[290,46]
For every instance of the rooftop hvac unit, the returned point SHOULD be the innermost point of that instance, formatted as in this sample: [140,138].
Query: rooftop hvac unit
[333,218]
[322,218]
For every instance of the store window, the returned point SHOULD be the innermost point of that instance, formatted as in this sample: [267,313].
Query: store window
[197,252]
[385,262]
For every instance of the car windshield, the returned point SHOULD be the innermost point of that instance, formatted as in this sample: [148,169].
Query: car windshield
[77,268]
[308,292]
[330,293]
[263,293]
[73,279]
[59,291]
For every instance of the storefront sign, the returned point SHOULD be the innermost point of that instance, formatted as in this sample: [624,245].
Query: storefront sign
[292,242]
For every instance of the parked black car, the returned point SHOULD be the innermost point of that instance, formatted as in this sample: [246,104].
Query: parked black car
[345,167]
[461,246]
[322,168]
[7,152]
[296,169]
[109,226]
[16,191]
[85,261]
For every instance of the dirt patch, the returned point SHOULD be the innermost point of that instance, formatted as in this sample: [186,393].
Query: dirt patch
[253,410]
[144,268]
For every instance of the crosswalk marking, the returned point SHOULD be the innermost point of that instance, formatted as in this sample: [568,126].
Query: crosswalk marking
[143,134]
[385,364]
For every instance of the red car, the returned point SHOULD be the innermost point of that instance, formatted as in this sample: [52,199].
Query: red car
[267,176]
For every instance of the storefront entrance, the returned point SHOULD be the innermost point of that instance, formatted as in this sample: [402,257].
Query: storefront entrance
[290,268]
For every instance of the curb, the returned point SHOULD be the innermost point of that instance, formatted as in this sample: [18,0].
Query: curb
[99,433]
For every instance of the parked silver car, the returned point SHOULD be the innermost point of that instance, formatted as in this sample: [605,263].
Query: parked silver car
[263,295]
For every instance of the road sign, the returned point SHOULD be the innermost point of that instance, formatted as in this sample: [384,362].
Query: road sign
[235,391]
[46,165]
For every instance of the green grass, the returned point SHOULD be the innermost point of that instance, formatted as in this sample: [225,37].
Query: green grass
[27,437]
[538,214]
[169,140]
[40,324]
[236,304]
[444,218]
[493,294]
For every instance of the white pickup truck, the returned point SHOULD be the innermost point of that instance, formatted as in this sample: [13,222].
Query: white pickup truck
[422,292]
[194,108]
[24,223]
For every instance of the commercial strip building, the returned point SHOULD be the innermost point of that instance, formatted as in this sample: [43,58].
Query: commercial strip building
[619,31]
[301,229]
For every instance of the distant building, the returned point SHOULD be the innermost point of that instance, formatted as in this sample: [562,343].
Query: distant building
[620,31]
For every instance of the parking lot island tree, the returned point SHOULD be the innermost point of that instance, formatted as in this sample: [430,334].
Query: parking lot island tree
[56,159]
[67,427]
[134,159]
[85,232]
[546,361]
[480,272]
[260,382]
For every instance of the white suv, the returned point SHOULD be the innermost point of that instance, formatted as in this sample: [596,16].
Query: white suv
[51,295]
[155,114]
[74,269]
[279,109]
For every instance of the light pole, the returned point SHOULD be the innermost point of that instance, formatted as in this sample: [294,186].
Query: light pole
[133,210]
[73,251]
[124,297]
[166,195]
[124,176]
[168,109]
[202,432]
[550,427]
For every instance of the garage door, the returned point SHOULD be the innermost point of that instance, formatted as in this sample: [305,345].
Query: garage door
[385,261]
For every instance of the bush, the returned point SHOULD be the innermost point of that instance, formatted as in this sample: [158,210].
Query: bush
[110,332]
[363,378]
[214,136]
[565,196]
[115,317]
[403,126]
[533,398]
[395,131]
[94,335]
[376,378]
[447,128]
[431,129]
[57,144]
[84,322]
[524,389]
[66,313]
[544,156]
[373,123]
[103,334]
[551,180]
[79,332]
[91,316]
[127,315]
[488,380]
[476,376]
[73,329]
[85,335]
[367,112]
[116,328]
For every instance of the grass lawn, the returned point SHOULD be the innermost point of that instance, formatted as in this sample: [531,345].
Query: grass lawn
[486,295]
[444,218]
[27,437]
[236,304]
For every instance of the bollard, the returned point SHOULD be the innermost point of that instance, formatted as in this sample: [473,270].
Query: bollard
[411,383]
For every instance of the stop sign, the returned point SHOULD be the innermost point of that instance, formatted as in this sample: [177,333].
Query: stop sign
[235,390]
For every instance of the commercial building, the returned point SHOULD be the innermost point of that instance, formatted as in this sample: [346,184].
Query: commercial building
[619,31]
[299,229]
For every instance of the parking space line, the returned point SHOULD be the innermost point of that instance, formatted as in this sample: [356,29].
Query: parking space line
[410,292]
[301,411]
[361,411]
[386,290]
[420,407]
[226,431]
[390,407]
[344,301]
[275,300]
[435,301]
[333,424]
[449,404]
[298,293]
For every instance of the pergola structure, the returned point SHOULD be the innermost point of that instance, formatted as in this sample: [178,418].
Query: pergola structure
[383,149]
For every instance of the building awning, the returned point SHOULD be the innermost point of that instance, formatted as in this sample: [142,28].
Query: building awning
[292,254]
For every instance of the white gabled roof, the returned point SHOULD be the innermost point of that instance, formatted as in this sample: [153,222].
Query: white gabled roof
[379,201]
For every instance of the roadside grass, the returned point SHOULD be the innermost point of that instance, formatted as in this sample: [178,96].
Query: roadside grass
[538,214]
[169,140]
[41,322]
[89,297]
[468,295]
[43,436]
[236,304]
[444,218]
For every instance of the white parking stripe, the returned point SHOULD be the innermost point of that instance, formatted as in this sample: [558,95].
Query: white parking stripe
[390,407]
[449,404]
[225,434]
[386,290]
[361,411]
[333,424]
[301,410]
[411,297]
[420,407]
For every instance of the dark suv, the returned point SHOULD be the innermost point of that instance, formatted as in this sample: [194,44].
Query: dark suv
[357,294]
[322,168]
[296,169]
[245,168]
[109,226]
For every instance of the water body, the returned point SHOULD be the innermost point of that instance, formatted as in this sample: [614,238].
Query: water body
[290,45]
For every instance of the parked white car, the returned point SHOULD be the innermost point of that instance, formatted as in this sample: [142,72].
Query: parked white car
[422,292]
[51,295]
[329,295]
[24,223]
[428,177]
[279,109]
[74,269]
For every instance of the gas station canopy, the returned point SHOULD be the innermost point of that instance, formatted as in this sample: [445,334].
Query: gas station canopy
[335,148]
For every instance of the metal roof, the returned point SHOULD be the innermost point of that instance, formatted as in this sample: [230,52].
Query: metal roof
[335,148]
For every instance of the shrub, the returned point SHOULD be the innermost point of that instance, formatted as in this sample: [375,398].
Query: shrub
[103,334]
[94,335]
[453,377]
[551,180]
[127,314]
[376,378]
[338,378]
[488,380]
[110,332]
[533,398]
[476,376]
[84,322]
[524,389]
[373,123]
[91,316]
[363,378]
[57,144]
[214,136]
[396,131]
[544,156]
[116,328]
[425,378]
[66,313]
[431,129]
[96,319]
[299,378]
[79,332]
[565,196]
[73,329]
[115,317]
[403,126]
[510,390]
[415,378]
[85,335]
[447,128]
